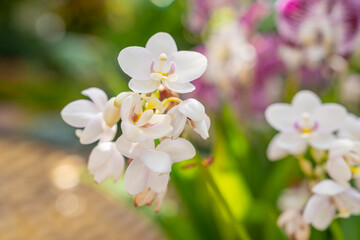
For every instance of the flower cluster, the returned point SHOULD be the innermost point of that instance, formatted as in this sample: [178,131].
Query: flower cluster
[152,119]
[325,139]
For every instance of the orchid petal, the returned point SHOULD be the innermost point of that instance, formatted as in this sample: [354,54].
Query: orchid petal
[156,161]
[319,212]
[144,118]
[136,62]
[329,117]
[97,96]
[161,43]
[192,109]
[78,113]
[136,177]
[321,141]
[189,65]
[178,149]
[328,187]
[281,116]
[202,127]
[338,169]
[158,182]
[179,87]
[293,143]
[178,121]
[132,149]
[93,130]
[143,86]
[305,101]
[159,126]
[274,152]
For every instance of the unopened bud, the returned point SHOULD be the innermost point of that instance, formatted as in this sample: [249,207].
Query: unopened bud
[111,113]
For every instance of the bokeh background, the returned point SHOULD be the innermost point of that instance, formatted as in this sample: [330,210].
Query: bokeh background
[52,50]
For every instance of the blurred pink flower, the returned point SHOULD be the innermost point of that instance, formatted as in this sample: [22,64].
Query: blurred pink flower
[201,11]
[268,68]
[320,28]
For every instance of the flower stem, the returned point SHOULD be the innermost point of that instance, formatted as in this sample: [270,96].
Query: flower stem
[240,229]
[336,231]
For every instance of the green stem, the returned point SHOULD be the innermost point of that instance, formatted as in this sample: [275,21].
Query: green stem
[336,231]
[240,229]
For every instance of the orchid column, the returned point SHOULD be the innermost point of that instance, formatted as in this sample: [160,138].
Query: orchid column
[152,117]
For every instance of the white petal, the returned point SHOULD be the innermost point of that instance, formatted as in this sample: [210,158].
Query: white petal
[338,169]
[136,62]
[328,187]
[293,143]
[340,147]
[120,98]
[179,87]
[156,161]
[281,116]
[158,182]
[99,155]
[202,127]
[105,161]
[93,130]
[161,43]
[192,109]
[319,212]
[108,133]
[306,101]
[136,177]
[350,199]
[96,95]
[178,121]
[132,132]
[111,113]
[159,126]
[131,149]
[131,104]
[329,117]
[143,86]
[189,65]
[322,141]
[78,113]
[274,152]
[144,118]
[178,149]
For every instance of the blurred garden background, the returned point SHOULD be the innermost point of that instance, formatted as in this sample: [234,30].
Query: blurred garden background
[52,50]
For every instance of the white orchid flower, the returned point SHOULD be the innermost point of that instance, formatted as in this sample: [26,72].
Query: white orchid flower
[106,161]
[344,160]
[97,117]
[193,110]
[151,166]
[138,124]
[305,121]
[294,225]
[161,62]
[350,128]
[331,200]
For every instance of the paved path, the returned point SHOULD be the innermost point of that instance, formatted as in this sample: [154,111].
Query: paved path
[41,198]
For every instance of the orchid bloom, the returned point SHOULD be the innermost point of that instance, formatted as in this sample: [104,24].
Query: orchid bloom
[350,128]
[161,63]
[139,125]
[344,160]
[105,161]
[322,27]
[306,121]
[193,110]
[331,200]
[98,117]
[151,166]
[294,225]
